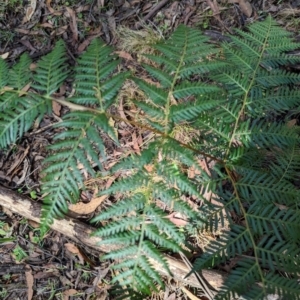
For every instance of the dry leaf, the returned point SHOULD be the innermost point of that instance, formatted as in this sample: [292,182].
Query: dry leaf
[5,89]
[124,54]
[87,208]
[292,123]
[18,161]
[189,294]
[213,6]
[68,293]
[135,142]
[175,220]
[46,25]
[29,282]
[4,55]
[30,11]
[74,250]
[33,224]
[60,30]
[65,281]
[51,10]
[25,89]
[32,66]
[100,3]
[246,8]
[56,107]
[82,8]
[73,24]
[149,168]
[27,44]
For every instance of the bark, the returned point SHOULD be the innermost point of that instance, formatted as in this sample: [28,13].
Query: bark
[81,233]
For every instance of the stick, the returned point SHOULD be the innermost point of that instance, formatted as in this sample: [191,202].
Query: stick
[80,233]
[157,7]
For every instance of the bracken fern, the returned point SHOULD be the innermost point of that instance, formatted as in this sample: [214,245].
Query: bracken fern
[232,98]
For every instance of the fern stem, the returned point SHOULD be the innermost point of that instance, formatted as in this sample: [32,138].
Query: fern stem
[241,112]
[256,256]
[229,173]
[141,239]
[171,90]
[73,106]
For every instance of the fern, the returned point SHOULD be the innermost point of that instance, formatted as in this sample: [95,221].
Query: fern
[19,109]
[255,59]
[231,98]
[81,142]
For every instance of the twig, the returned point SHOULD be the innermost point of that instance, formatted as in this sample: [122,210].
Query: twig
[157,7]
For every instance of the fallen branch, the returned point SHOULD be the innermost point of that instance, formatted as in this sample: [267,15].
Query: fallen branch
[81,233]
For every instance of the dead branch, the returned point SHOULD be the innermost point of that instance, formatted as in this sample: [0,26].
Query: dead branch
[81,233]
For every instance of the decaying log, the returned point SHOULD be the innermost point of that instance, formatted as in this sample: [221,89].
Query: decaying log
[80,232]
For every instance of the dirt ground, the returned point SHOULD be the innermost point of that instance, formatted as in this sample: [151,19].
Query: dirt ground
[57,267]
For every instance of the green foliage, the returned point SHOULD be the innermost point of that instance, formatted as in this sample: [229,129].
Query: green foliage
[232,98]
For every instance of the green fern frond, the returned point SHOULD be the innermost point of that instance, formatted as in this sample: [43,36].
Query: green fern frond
[3,73]
[183,112]
[51,71]
[80,143]
[19,110]
[141,230]
[250,78]
[288,288]
[94,83]
[232,99]
[157,95]
[243,278]
[20,74]
[231,243]
[18,119]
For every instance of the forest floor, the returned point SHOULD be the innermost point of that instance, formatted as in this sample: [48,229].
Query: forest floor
[56,267]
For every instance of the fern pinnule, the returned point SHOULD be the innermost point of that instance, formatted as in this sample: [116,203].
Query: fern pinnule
[3,73]
[20,74]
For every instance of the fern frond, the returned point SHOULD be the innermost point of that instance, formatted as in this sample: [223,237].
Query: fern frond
[94,83]
[262,192]
[51,71]
[3,73]
[22,109]
[183,112]
[19,118]
[20,74]
[229,100]
[80,143]
[150,229]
